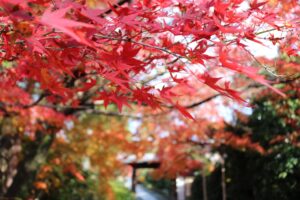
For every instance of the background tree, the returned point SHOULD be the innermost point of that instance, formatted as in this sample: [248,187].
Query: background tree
[274,172]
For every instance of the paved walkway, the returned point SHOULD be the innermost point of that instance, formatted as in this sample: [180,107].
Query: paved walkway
[143,193]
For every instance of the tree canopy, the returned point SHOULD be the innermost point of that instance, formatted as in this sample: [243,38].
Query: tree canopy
[166,65]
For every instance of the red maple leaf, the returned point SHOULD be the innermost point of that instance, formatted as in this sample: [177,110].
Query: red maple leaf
[57,20]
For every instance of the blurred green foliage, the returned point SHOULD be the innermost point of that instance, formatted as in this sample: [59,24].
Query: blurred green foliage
[162,185]
[121,192]
[275,175]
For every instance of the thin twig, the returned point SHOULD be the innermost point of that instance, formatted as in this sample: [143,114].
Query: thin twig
[142,44]
[120,3]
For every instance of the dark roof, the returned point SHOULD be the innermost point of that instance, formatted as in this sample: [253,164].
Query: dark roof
[153,164]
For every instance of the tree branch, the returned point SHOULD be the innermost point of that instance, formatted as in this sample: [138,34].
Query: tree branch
[41,97]
[120,3]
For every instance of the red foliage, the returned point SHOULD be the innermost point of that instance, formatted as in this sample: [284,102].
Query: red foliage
[64,45]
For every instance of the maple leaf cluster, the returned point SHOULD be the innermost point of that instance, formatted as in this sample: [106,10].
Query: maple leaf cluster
[68,54]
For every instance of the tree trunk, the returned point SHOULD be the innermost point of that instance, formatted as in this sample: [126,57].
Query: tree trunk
[39,146]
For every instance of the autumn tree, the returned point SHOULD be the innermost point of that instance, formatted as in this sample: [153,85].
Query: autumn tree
[89,161]
[63,58]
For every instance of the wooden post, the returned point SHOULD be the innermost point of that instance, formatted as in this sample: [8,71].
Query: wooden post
[204,186]
[173,192]
[133,179]
[223,171]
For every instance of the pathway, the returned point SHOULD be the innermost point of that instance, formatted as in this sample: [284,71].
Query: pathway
[143,193]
